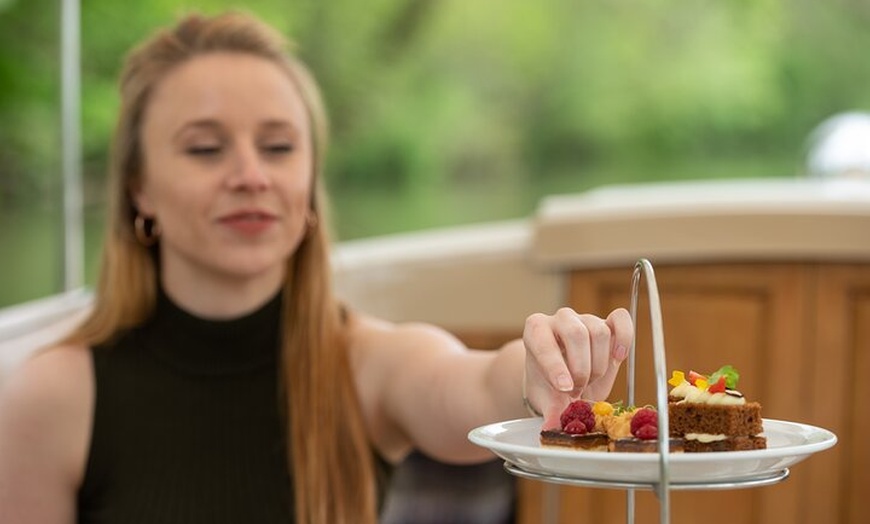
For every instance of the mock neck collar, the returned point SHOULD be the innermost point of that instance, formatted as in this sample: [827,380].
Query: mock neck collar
[207,346]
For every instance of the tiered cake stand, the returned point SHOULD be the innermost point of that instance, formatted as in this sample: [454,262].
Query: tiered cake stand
[663,485]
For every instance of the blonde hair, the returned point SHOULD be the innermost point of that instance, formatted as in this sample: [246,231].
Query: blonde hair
[330,457]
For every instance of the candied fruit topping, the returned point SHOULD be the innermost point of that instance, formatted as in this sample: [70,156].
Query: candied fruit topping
[602,408]
[730,373]
[694,376]
[718,386]
[702,382]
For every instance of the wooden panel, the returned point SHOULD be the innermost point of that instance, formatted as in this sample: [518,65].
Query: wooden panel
[855,440]
[537,502]
[837,396]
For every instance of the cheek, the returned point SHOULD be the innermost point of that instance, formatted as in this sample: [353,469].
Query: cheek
[299,211]
[297,195]
[176,204]
[161,191]
[175,199]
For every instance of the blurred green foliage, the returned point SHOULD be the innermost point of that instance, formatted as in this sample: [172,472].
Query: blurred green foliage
[450,111]
[422,91]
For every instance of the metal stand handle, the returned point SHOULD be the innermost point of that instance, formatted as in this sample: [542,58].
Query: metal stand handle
[662,488]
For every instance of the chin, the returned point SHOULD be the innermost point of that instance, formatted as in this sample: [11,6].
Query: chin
[252,265]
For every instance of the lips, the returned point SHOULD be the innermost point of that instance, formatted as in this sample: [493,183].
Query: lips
[248,222]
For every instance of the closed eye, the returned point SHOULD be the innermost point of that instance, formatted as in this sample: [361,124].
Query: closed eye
[203,150]
[279,149]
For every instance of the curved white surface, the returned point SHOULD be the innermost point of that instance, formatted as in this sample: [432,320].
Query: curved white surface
[700,221]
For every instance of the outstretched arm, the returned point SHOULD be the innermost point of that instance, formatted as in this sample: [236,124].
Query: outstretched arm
[422,387]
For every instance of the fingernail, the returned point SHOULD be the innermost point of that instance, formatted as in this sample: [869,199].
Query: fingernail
[564,382]
[620,352]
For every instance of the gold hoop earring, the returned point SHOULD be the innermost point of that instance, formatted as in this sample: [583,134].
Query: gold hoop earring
[147,230]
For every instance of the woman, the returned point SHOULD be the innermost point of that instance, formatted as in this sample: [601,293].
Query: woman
[218,379]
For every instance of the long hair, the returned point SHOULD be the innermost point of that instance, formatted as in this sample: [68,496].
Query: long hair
[329,455]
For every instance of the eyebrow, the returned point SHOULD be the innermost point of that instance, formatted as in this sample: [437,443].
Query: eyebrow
[211,123]
[281,124]
[207,123]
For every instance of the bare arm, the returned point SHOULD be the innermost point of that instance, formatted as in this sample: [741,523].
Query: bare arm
[424,388]
[45,412]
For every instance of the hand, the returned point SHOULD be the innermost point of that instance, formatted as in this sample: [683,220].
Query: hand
[570,356]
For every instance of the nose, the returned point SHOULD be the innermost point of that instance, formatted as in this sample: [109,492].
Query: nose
[248,172]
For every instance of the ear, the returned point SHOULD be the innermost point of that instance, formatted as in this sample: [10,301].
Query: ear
[141,201]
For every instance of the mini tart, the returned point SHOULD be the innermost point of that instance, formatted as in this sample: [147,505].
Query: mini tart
[616,426]
[587,441]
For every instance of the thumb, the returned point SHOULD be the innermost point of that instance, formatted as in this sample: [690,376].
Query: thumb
[552,416]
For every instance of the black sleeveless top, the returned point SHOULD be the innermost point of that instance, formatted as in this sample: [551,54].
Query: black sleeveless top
[187,426]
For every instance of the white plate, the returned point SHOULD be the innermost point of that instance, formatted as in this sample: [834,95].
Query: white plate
[518,442]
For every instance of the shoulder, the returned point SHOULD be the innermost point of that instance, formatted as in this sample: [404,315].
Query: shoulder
[58,376]
[45,408]
[46,404]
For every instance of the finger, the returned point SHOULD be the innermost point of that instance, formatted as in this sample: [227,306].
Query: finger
[553,415]
[550,402]
[540,395]
[541,343]
[574,336]
[622,334]
[600,337]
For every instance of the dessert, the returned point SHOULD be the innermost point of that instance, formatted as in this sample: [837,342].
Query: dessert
[579,429]
[705,413]
[602,426]
[644,433]
[710,414]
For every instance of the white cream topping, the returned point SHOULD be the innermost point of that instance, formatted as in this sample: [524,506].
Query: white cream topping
[682,389]
[704,437]
[691,394]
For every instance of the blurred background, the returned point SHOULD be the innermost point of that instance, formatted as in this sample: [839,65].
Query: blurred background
[452,112]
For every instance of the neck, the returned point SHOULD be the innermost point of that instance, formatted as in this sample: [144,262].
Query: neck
[218,297]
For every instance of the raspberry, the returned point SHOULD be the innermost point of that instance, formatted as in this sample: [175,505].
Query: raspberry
[647,432]
[580,411]
[575,427]
[645,424]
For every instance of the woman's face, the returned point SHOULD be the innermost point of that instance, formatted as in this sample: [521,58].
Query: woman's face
[228,168]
